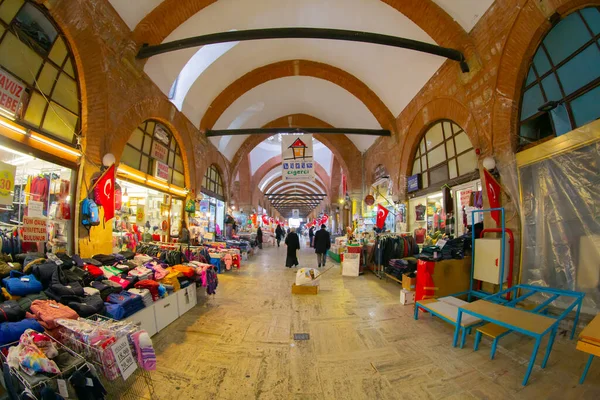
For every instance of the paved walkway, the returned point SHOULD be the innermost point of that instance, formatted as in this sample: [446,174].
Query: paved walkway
[363,345]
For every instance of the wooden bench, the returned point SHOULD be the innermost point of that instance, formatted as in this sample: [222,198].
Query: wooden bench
[589,342]
[446,308]
[496,332]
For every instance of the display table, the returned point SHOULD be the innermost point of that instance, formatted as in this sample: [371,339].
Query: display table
[589,342]
[499,310]
[163,312]
[442,278]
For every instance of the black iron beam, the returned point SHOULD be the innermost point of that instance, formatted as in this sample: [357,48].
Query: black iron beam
[295,194]
[273,131]
[305,33]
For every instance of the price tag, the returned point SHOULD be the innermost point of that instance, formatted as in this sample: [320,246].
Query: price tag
[124,358]
[89,382]
[7,183]
[63,390]
[24,279]
[441,243]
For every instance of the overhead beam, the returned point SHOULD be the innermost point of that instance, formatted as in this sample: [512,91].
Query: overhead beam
[295,194]
[305,33]
[273,131]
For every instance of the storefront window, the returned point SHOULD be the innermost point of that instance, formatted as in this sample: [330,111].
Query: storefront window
[562,88]
[212,183]
[145,214]
[36,61]
[35,203]
[444,153]
[153,150]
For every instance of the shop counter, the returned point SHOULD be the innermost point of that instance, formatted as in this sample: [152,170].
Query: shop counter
[442,278]
[163,312]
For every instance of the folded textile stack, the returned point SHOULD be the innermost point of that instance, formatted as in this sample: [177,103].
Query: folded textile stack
[152,286]
[142,273]
[130,302]
[145,294]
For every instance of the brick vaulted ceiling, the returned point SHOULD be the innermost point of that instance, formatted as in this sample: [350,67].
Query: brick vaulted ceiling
[343,84]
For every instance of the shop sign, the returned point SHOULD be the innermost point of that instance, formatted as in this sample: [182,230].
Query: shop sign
[11,92]
[140,214]
[161,170]
[379,172]
[414,183]
[297,155]
[35,209]
[204,206]
[369,200]
[124,358]
[161,133]
[34,229]
[159,152]
[7,183]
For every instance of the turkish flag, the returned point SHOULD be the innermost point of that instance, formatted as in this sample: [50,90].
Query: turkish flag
[271,220]
[494,194]
[382,214]
[324,219]
[104,193]
[265,219]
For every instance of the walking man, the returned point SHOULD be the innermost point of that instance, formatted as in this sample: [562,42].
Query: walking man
[278,234]
[322,244]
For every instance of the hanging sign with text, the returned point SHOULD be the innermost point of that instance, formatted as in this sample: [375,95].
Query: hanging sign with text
[7,183]
[34,229]
[159,152]
[161,170]
[11,92]
[124,358]
[297,155]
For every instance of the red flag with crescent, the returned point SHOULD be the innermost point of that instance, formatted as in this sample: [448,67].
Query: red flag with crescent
[324,219]
[265,219]
[104,193]
[382,214]
[493,192]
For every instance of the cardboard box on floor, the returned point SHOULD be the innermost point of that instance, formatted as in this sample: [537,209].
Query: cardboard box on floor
[407,297]
[305,289]
[408,283]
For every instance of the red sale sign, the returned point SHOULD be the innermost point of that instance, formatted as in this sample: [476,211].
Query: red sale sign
[11,92]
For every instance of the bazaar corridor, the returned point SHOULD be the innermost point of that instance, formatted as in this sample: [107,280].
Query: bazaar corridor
[363,345]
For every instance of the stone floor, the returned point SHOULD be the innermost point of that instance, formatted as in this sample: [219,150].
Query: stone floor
[363,345]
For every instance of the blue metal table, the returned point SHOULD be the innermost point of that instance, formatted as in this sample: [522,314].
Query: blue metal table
[499,310]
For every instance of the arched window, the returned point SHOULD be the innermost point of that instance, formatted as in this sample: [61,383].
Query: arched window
[212,183]
[444,153]
[153,150]
[33,50]
[562,89]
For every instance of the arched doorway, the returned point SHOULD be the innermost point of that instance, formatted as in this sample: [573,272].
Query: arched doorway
[444,177]
[210,216]
[151,178]
[40,128]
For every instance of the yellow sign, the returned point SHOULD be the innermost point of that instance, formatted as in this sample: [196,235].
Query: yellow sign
[7,183]
[140,214]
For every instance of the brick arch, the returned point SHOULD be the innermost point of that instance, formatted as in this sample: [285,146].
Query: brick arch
[141,112]
[430,17]
[288,68]
[528,30]
[342,148]
[437,109]
[215,158]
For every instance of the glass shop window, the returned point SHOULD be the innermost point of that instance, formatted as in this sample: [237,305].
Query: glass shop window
[37,204]
[562,88]
[35,54]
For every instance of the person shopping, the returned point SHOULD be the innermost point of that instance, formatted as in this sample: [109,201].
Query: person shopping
[259,237]
[293,245]
[278,234]
[322,244]
[311,235]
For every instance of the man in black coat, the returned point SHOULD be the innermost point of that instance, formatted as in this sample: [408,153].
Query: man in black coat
[311,235]
[279,234]
[322,244]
